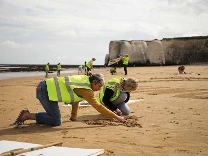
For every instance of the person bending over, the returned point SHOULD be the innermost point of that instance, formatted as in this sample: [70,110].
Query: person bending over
[89,66]
[68,89]
[116,93]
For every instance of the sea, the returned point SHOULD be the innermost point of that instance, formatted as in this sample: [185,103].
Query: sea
[12,75]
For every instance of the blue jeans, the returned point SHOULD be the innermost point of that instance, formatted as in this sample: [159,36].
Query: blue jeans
[120,104]
[52,116]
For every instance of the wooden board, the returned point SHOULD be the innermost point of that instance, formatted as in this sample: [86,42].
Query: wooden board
[113,61]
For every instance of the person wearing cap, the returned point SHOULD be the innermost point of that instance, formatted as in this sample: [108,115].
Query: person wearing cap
[68,89]
[89,66]
[116,93]
[125,63]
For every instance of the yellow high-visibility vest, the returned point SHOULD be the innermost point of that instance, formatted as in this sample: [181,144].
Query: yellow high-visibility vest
[89,64]
[126,60]
[111,85]
[47,67]
[61,89]
[58,67]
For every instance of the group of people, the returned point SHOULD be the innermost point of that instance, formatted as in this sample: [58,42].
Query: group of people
[123,60]
[87,68]
[111,101]
[47,68]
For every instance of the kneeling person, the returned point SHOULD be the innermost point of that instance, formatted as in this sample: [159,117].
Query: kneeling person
[116,93]
[113,70]
[181,70]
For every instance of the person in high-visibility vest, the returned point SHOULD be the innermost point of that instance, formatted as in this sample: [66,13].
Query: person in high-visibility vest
[116,93]
[71,90]
[47,69]
[58,69]
[125,63]
[89,66]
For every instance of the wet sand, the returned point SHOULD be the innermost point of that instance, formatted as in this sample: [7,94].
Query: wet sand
[170,118]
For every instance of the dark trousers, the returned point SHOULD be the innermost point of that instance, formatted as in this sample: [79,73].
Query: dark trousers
[88,71]
[125,68]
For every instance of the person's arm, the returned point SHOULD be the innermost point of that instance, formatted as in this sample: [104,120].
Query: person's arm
[128,97]
[88,95]
[106,99]
[74,111]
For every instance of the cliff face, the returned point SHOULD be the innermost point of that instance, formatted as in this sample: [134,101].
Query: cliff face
[167,51]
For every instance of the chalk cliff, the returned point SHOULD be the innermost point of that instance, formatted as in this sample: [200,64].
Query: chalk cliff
[168,51]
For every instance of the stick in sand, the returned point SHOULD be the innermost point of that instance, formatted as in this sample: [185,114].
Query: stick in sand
[14,152]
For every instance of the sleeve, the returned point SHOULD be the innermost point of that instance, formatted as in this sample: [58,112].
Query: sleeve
[106,99]
[89,96]
[128,97]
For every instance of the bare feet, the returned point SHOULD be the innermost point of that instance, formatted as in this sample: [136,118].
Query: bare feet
[22,117]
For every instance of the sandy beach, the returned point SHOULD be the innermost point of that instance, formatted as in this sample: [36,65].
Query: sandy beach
[170,118]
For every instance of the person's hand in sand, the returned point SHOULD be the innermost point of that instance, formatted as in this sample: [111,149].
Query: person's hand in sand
[121,119]
[68,89]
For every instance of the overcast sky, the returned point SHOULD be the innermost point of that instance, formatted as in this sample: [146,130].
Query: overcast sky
[74,31]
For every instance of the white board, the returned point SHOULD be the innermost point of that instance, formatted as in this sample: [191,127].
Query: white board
[85,103]
[6,145]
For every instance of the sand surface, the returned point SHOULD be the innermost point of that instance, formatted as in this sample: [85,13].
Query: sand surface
[170,118]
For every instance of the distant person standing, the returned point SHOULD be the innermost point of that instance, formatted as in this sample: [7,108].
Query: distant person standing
[120,61]
[89,66]
[80,69]
[85,68]
[125,60]
[47,69]
[58,69]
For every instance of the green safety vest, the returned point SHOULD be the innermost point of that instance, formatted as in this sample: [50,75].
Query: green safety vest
[61,89]
[47,67]
[126,60]
[89,64]
[111,85]
[59,67]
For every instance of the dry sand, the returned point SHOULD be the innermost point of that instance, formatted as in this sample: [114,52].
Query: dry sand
[171,120]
